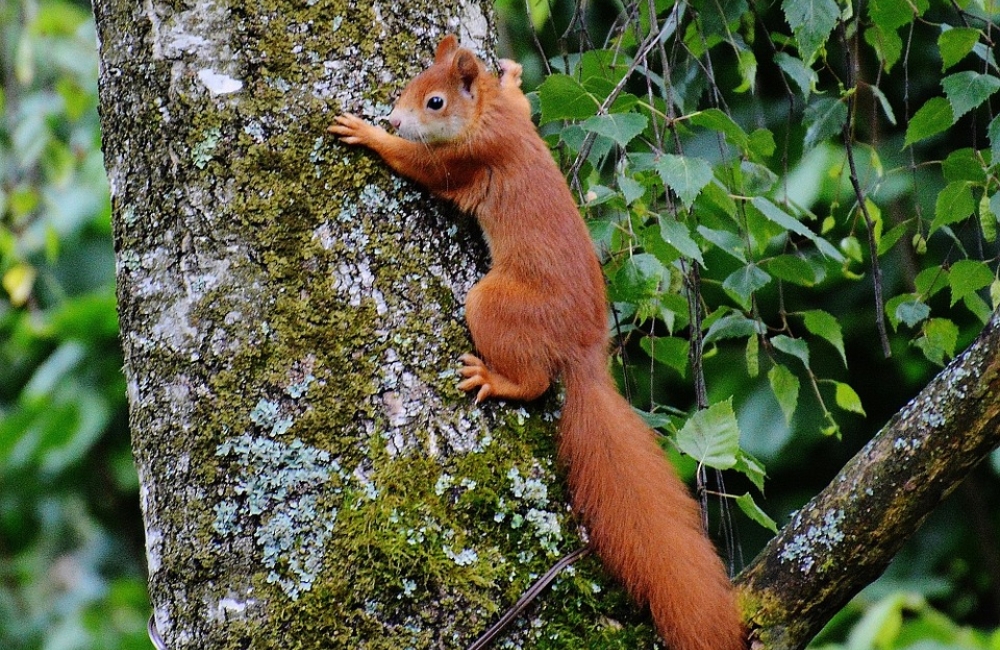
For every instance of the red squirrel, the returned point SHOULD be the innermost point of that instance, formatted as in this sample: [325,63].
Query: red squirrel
[541,312]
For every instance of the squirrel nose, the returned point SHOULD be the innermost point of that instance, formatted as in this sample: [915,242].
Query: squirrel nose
[395,122]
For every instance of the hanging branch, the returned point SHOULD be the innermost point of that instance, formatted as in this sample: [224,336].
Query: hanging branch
[846,536]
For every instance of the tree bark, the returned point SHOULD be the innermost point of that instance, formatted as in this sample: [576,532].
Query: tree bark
[291,319]
[845,537]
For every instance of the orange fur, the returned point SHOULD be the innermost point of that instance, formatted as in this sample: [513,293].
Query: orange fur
[541,311]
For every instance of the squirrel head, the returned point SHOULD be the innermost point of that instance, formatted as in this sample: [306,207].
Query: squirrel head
[445,99]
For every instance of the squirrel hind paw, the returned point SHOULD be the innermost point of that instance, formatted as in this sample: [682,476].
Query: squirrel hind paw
[476,376]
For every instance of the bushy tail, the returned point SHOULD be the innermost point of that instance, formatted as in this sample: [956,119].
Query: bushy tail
[641,519]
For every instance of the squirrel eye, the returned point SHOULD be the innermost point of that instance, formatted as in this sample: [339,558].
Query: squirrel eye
[435,103]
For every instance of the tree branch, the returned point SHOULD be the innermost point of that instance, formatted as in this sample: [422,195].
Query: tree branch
[846,536]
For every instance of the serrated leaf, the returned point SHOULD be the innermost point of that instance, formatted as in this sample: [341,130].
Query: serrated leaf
[803,76]
[887,44]
[685,175]
[954,204]
[563,98]
[712,436]
[939,339]
[742,283]
[811,21]
[791,268]
[638,279]
[752,468]
[785,386]
[795,347]
[993,132]
[824,118]
[964,165]
[726,241]
[677,235]
[967,277]
[933,117]
[671,351]
[752,510]
[825,326]
[732,326]
[715,120]
[788,222]
[967,90]
[955,43]
[620,127]
[910,312]
[631,189]
[848,399]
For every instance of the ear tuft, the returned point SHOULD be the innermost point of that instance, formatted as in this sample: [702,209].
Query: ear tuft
[446,48]
[467,68]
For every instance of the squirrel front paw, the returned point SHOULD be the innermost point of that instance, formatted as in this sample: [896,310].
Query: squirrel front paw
[510,73]
[354,130]
[477,375]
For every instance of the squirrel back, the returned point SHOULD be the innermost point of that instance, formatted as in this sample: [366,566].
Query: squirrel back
[541,311]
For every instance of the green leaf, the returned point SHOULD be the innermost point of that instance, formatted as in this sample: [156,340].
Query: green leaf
[715,120]
[685,175]
[785,386]
[563,98]
[967,277]
[964,165]
[848,399]
[933,117]
[732,326]
[993,131]
[939,340]
[883,101]
[811,21]
[967,90]
[887,44]
[788,222]
[824,118]
[825,326]
[752,356]
[620,127]
[671,351]
[795,347]
[907,310]
[752,468]
[791,268]
[726,241]
[954,204]
[638,279]
[742,283]
[752,510]
[987,217]
[677,235]
[955,43]
[712,436]
[803,76]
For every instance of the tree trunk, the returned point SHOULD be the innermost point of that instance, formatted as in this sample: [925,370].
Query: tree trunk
[291,319]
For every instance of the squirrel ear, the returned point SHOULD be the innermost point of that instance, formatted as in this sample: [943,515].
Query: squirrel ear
[445,48]
[467,68]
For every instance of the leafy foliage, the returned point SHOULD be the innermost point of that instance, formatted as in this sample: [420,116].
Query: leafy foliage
[786,192]
[70,540]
